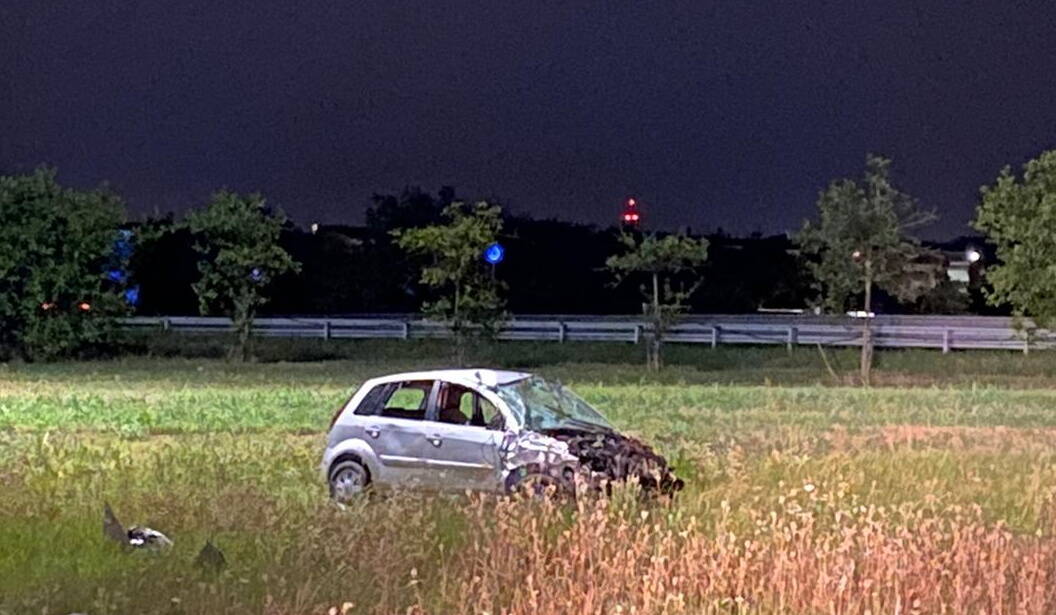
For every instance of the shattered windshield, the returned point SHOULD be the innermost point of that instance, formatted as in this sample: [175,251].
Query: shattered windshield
[541,405]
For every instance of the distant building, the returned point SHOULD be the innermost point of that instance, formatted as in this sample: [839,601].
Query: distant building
[962,265]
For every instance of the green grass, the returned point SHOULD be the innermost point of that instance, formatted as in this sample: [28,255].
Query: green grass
[204,449]
[622,362]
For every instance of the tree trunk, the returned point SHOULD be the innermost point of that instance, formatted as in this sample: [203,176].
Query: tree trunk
[866,366]
[243,321]
[458,329]
[657,338]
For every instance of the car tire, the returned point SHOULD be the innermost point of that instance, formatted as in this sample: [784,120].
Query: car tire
[533,483]
[349,479]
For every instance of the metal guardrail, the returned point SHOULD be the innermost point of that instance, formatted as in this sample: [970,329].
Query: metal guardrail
[942,332]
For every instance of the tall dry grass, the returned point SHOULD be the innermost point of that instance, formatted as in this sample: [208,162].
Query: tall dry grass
[807,554]
[800,500]
[854,561]
[902,519]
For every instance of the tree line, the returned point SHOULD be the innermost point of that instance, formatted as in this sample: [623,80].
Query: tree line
[70,262]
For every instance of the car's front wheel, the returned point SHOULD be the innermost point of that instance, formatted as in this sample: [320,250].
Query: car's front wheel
[348,480]
[532,482]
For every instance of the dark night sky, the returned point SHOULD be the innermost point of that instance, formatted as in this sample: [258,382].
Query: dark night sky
[728,114]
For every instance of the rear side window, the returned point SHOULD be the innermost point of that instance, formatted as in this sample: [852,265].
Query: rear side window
[373,401]
[408,400]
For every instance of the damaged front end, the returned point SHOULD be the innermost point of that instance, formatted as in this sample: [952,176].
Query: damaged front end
[535,462]
[563,431]
[568,459]
[615,457]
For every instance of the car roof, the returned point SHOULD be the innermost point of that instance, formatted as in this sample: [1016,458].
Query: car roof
[470,376]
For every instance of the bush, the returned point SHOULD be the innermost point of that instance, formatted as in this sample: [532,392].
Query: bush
[56,247]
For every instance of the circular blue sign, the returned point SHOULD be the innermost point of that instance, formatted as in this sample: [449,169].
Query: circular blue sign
[494,253]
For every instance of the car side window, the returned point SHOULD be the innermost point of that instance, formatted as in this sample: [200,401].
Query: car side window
[454,404]
[490,415]
[374,400]
[459,405]
[408,400]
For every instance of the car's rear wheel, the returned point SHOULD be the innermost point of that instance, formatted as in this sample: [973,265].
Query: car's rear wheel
[349,479]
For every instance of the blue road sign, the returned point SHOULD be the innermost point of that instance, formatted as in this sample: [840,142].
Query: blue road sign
[494,253]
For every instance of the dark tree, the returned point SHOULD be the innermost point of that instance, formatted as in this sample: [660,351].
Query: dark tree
[62,266]
[861,242]
[239,256]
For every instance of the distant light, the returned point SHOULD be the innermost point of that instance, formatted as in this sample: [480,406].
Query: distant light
[116,275]
[494,253]
[84,306]
[631,202]
[123,247]
[972,255]
[627,217]
[132,296]
[256,275]
[47,305]
[856,255]
[634,217]
[315,227]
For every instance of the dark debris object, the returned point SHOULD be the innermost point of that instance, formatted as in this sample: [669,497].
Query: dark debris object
[136,537]
[620,457]
[210,559]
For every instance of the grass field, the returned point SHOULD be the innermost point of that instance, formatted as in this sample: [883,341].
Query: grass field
[934,493]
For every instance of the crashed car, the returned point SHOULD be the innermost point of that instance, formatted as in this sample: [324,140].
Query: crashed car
[480,430]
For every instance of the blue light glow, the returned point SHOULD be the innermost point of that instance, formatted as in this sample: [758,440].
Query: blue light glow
[494,253]
[132,295]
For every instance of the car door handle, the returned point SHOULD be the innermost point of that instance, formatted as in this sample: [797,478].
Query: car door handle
[435,440]
[373,432]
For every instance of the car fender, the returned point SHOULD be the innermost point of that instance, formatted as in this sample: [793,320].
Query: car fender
[529,448]
[355,446]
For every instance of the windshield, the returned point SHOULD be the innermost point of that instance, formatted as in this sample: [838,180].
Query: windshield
[541,405]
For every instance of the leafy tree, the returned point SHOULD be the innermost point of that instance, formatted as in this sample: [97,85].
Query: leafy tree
[669,263]
[861,242]
[56,248]
[1019,215]
[470,299]
[239,256]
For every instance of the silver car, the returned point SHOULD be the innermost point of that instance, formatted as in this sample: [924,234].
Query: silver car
[479,430]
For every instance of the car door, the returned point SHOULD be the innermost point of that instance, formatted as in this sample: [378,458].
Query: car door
[397,435]
[464,455]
